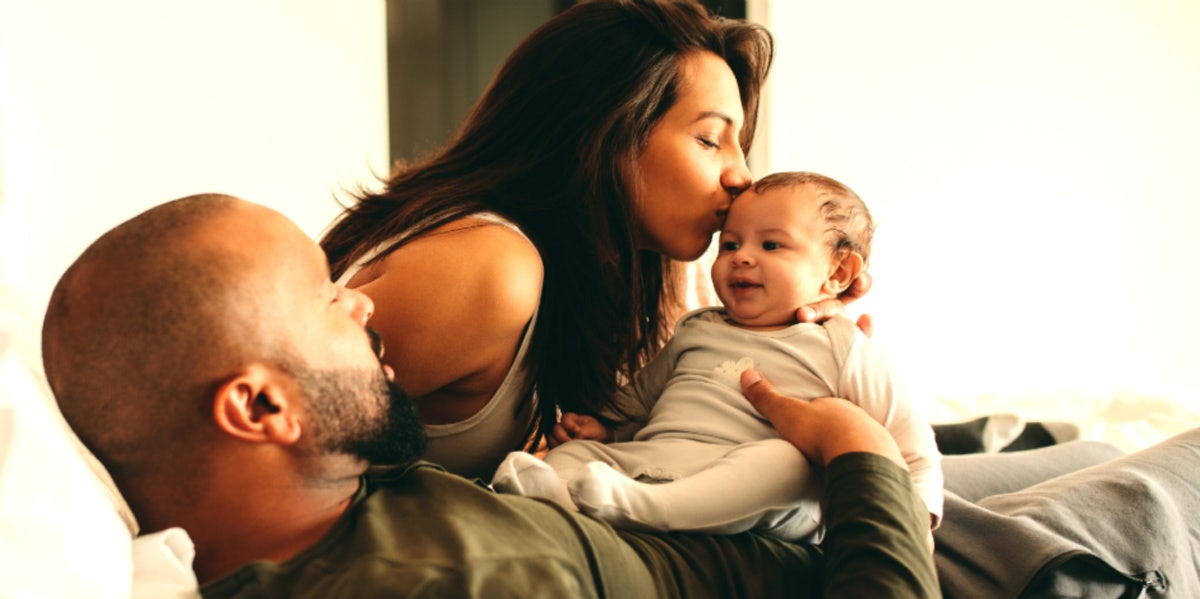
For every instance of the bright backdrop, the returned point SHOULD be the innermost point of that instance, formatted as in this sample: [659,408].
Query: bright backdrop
[1032,166]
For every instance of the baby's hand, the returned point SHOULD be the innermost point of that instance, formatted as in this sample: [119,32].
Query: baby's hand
[578,426]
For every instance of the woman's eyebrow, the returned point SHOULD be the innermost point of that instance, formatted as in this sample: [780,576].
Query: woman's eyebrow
[715,114]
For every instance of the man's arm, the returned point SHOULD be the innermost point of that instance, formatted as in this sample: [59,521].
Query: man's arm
[876,524]
[877,530]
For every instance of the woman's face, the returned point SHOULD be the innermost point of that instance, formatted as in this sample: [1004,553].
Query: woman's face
[692,165]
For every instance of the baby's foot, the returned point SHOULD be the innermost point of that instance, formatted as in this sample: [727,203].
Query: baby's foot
[523,474]
[617,499]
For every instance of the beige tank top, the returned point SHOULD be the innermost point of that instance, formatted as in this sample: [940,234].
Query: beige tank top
[475,446]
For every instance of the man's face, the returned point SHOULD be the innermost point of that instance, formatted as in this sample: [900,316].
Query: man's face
[351,405]
[361,413]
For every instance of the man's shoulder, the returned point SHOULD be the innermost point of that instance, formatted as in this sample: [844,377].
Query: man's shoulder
[417,529]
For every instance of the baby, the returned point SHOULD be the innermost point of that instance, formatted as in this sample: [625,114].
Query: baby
[701,457]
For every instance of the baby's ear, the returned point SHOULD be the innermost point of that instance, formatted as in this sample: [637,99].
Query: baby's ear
[844,270]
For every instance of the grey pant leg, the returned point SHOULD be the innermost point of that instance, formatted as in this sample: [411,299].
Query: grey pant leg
[1134,516]
[975,476]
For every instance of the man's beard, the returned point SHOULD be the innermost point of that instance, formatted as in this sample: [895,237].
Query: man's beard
[361,413]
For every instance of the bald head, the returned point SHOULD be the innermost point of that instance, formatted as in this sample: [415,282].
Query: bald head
[147,320]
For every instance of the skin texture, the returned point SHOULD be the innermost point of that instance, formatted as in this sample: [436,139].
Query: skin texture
[256,447]
[452,307]
[256,479]
[823,428]
[554,145]
[774,255]
[687,176]
[692,165]
[826,309]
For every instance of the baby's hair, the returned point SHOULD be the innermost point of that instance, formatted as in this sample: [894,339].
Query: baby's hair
[848,221]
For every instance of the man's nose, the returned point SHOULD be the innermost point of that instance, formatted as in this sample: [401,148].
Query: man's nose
[361,307]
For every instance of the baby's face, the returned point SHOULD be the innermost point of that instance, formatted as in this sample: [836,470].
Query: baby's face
[772,256]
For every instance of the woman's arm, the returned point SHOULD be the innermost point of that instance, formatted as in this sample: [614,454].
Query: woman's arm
[452,307]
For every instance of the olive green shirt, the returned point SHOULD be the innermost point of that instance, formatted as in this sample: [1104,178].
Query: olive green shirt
[417,531]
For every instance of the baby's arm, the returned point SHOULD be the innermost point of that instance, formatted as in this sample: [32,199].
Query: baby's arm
[630,409]
[870,381]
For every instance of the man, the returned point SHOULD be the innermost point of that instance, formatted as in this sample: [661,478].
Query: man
[202,353]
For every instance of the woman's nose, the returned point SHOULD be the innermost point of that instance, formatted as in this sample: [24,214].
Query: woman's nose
[736,177]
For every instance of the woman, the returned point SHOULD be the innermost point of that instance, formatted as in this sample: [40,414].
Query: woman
[536,251]
[533,259]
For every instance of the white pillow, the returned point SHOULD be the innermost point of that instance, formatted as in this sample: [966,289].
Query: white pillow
[60,532]
[65,530]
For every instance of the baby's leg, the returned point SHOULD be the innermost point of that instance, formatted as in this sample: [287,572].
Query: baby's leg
[523,474]
[766,485]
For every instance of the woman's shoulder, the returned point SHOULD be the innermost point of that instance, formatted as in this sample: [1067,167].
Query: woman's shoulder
[483,249]
[493,255]
[471,261]
[453,303]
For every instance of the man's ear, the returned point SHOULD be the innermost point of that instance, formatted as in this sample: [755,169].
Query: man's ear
[258,405]
[843,272]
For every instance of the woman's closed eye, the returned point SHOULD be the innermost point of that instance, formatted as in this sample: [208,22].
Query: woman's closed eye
[708,142]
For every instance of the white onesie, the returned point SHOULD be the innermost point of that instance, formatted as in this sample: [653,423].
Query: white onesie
[706,460]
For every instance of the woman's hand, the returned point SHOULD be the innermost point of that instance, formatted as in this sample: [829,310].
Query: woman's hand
[826,309]
[822,429]
[578,426]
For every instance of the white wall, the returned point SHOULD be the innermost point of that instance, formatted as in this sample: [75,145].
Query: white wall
[1033,167]
[1030,163]
[108,107]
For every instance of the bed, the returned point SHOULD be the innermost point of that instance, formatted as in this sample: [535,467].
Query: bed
[65,532]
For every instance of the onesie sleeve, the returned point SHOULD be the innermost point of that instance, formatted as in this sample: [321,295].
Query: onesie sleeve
[869,381]
[637,398]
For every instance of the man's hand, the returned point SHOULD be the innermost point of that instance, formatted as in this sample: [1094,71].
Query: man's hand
[826,309]
[578,426]
[822,429]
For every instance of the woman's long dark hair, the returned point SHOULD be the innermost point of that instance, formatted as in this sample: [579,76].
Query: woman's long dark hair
[548,146]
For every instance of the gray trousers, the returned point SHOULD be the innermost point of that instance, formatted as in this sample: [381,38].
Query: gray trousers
[1073,520]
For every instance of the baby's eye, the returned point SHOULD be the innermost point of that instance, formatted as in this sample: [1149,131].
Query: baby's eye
[771,245]
[729,246]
